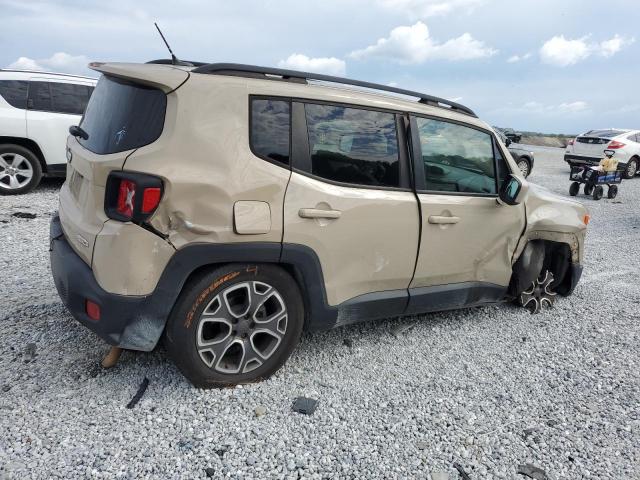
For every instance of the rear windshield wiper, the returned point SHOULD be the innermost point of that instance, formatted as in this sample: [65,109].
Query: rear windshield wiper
[77,131]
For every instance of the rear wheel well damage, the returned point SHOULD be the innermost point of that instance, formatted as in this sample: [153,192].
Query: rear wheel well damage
[537,257]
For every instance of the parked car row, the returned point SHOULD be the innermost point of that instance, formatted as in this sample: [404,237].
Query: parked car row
[524,158]
[269,203]
[36,110]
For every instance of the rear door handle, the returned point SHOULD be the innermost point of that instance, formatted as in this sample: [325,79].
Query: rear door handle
[443,220]
[319,213]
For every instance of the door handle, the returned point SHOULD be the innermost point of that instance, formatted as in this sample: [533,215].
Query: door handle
[443,220]
[319,213]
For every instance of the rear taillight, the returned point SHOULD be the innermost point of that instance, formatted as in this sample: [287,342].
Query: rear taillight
[615,144]
[132,196]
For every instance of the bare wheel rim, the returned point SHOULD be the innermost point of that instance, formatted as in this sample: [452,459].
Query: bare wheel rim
[241,327]
[632,168]
[15,171]
[523,165]
[539,294]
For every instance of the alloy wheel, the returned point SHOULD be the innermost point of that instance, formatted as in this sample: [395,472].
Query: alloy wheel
[15,171]
[523,165]
[539,294]
[241,327]
[632,168]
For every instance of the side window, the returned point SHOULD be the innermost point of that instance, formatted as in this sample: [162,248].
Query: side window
[39,96]
[456,158]
[356,146]
[69,98]
[270,129]
[14,92]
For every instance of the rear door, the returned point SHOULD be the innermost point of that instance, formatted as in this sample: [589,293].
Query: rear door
[52,107]
[468,238]
[349,199]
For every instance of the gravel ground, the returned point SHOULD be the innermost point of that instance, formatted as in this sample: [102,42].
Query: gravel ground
[489,388]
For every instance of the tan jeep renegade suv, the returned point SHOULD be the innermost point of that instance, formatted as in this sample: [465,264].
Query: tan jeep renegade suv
[230,207]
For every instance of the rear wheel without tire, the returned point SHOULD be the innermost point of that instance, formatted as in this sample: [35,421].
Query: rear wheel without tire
[612,192]
[20,170]
[588,189]
[631,169]
[598,192]
[235,324]
[574,189]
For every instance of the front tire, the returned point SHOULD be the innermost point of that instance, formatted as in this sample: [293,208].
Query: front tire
[20,170]
[631,169]
[574,189]
[236,324]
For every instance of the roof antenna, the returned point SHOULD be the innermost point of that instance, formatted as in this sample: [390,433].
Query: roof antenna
[174,59]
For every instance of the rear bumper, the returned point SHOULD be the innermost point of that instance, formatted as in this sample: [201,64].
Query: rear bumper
[125,321]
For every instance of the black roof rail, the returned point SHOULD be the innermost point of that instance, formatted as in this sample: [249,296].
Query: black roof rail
[183,63]
[293,75]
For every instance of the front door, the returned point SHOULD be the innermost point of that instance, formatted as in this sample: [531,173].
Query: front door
[468,238]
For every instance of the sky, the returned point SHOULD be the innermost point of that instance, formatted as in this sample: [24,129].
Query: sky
[553,66]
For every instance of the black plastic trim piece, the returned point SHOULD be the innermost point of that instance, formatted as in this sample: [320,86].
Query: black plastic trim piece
[265,72]
[57,170]
[181,63]
[451,296]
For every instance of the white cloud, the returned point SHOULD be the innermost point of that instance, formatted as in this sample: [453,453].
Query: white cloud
[413,44]
[563,52]
[564,107]
[612,46]
[429,8]
[330,66]
[58,62]
[518,58]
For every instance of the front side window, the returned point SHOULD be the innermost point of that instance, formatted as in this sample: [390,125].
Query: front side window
[456,158]
[351,145]
[122,115]
[270,129]
[14,92]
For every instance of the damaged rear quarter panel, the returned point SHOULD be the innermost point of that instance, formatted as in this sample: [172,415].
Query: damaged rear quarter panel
[207,165]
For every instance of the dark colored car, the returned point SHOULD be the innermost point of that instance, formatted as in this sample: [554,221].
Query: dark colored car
[512,135]
[523,157]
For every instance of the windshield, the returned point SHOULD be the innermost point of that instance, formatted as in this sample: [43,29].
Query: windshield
[122,115]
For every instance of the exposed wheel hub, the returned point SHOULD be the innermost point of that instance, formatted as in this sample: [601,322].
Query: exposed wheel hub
[539,294]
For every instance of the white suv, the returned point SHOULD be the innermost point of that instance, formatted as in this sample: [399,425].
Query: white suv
[36,111]
[588,149]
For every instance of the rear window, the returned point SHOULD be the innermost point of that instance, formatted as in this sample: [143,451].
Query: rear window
[14,92]
[605,133]
[122,116]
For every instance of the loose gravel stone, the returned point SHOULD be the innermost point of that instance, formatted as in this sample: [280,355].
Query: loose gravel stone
[575,381]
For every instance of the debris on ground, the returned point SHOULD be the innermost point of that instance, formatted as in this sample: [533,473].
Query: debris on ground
[210,472]
[531,471]
[305,405]
[6,388]
[439,475]
[30,351]
[402,328]
[348,342]
[26,215]
[136,398]
[112,357]
[464,475]
[260,411]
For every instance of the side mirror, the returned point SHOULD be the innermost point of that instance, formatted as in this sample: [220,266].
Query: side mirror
[507,142]
[76,131]
[514,190]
